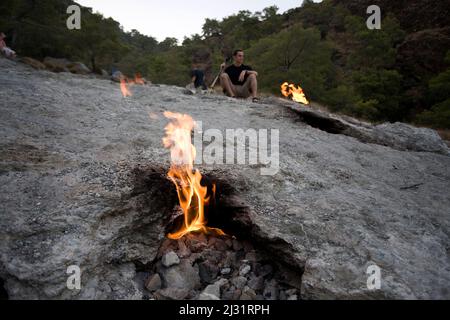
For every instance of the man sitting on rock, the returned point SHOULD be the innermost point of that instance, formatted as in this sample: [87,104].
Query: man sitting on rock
[239,80]
[8,52]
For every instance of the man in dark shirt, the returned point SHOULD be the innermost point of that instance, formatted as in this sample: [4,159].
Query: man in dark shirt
[239,80]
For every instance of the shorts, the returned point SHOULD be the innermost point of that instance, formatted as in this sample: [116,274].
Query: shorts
[242,91]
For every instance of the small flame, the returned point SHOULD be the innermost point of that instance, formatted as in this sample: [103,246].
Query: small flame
[125,83]
[138,79]
[191,194]
[124,88]
[296,93]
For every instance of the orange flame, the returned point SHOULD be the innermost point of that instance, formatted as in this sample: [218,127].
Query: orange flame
[138,79]
[125,82]
[124,88]
[191,194]
[296,93]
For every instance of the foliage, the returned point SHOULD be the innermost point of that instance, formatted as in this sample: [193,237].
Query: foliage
[321,46]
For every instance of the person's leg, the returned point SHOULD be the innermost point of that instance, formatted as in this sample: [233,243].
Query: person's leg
[227,85]
[253,85]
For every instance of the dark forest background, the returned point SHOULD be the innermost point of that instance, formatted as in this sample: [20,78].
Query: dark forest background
[398,73]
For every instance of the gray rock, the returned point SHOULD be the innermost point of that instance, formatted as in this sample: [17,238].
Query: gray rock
[208,272]
[339,203]
[248,294]
[171,294]
[244,270]
[78,68]
[182,276]
[252,256]
[225,271]
[219,244]
[183,250]
[239,282]
[212,292]
[208,296]
[170,259]
[153,283]
[228,294]
[256,283]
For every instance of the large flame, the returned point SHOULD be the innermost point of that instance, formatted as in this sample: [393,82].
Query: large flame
[296,93]
[191,194]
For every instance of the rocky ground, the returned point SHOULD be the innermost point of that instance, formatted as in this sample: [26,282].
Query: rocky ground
[213,268]
[82,182]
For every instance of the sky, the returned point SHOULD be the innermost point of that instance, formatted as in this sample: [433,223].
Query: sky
[176,18]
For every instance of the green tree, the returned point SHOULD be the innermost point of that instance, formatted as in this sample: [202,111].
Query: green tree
[295,55]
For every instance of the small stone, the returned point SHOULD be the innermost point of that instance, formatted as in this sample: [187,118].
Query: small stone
[153,283]
[248,294]
[293,297]
[229,260]
[208,272]
[183,251]
[237,294]
[171,294]
[220,245]
[225,271]
[206,296]
[239,282]
[252,256]
[182,276]
[229,294]
[170,259]
[244,270]
[213,290]
[195,245]
[256,283]
[166,246]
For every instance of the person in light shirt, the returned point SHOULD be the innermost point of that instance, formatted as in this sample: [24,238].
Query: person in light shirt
[8,52]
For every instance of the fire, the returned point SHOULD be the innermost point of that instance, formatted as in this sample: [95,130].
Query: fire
[124,88]
[296,93]
[138,79]
[191,194]
[125,83]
